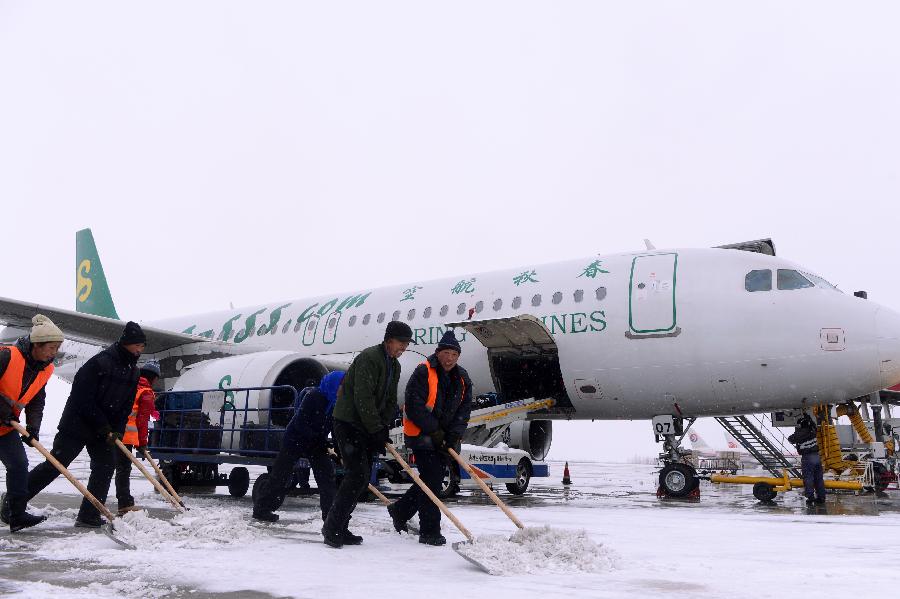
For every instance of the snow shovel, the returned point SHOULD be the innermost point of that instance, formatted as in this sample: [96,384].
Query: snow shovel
[148,476]
[442,507]
[412,528]
[484,487]
[165,480]
[107,528]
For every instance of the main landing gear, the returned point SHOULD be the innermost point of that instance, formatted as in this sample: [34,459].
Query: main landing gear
[678,477]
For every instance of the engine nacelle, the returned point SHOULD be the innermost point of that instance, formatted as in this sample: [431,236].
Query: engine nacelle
[260,369]
[533,436]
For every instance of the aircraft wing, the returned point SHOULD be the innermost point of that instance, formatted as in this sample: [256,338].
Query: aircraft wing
[96,330]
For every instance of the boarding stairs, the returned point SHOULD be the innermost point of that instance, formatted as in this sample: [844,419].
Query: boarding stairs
[766,444]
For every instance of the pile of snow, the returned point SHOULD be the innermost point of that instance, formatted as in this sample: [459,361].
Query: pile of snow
[189,530]
[540,550]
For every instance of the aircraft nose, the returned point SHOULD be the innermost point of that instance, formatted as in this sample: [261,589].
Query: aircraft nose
[887,332]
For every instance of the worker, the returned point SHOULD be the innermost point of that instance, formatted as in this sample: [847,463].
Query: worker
[363,415]
[306,435]
[94,418]
[25,369]
[804,438]
[136,433]
[435,416]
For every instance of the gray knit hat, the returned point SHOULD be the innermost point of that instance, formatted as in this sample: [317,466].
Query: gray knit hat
[44,331]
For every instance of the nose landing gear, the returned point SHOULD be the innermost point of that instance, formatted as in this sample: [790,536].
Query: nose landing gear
[678,477]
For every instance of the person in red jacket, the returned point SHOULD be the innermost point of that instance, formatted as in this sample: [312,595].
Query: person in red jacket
[136,433]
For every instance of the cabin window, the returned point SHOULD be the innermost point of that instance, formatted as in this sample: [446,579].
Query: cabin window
[352,321]
[396,315]
[444,310]
[498,303]
[791,279]
[427,312]
[557,297]
[380,318]
[578,296]
[820,282]
[411,314]
[286,326]
[312,324]
[601,293]
[461,309]
[517,302]
[758,280]
[261,330]
[536,300]
[298,326]
[479,306]
[366,319]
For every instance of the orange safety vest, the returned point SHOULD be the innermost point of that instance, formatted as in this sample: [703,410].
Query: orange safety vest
[11,383]
[410,429]
[131,430]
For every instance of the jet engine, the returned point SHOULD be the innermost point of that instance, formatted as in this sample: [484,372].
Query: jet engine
[533,436]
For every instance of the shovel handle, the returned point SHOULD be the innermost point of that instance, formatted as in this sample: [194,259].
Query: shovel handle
[428,492]
[484,487]
[147,475]
[64,471]
[163,478]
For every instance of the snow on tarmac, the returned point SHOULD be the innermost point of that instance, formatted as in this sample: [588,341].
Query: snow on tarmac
[632,545]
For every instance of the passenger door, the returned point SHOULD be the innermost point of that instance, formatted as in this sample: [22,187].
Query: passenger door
[651,296]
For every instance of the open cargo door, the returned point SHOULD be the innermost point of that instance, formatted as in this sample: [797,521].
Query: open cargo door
[523,357]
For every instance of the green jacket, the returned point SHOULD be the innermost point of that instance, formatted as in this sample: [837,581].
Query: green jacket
[367,399]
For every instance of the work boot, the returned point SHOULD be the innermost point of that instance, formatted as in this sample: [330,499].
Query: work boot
[351,539]
[810,502]
[265,515]
[437,539]
[820,501]
[19,518]
[333,539]
[94,521]
[127,508]
[4,509]
[399,523]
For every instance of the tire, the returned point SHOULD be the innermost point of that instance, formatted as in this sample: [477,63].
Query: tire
[450,481]
[764,492]
[523,478]
[261,482]
[678,480]
[238,481]
[882,476]
[170,471]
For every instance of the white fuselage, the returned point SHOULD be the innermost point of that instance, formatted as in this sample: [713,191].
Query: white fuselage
[638,334]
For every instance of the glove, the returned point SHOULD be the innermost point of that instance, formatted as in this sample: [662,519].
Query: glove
[140,451]
[452,441]
[112,437]
[378,439]
[31,436]
[438,438]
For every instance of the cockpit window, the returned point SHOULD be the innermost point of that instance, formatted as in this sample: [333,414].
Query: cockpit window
[758,280]
[820,282]
[791,279]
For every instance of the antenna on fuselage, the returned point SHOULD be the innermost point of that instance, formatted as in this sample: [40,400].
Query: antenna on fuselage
[649,244]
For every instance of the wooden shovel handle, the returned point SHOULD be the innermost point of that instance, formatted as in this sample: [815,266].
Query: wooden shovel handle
[65,472]
[484,487]
[428,492]
[148,476]
[163,478]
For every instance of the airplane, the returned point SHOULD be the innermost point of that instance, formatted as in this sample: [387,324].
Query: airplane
[661,334]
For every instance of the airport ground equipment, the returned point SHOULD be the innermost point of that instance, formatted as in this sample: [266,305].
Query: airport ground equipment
[165,481]
[442,507]
[765,488]
[108,529]
[162,491]
[761,441]
[477,477]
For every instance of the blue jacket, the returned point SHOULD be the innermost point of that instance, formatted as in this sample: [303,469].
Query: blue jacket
[312,420]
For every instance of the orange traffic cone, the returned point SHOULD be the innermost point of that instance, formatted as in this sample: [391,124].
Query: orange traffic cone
[566,479]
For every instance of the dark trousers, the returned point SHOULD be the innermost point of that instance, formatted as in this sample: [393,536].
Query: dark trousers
[65,449]
[123,478]
[431,470]
[813,476]
[357,460]
[283,470]
[12,454]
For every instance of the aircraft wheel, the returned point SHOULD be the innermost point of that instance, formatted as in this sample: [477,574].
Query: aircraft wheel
[450,481]
[678,480]
[238,481]
[523,478]
[764,492]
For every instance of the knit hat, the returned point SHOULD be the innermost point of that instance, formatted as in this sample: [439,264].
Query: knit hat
[399,331]
[448,341]
[132,334]
[151,368]
[44,331]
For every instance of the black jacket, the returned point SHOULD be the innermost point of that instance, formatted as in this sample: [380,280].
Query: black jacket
[804,438]
[102,394]
[368,397]
[34,411]
[452,406]
[311,423]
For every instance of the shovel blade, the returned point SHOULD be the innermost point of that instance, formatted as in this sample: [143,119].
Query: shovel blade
[109,531]
[459,548]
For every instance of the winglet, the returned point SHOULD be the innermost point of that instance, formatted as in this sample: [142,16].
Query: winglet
[92,294]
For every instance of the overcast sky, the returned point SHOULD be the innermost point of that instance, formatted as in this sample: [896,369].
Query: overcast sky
[250,152]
